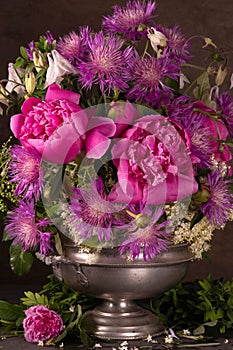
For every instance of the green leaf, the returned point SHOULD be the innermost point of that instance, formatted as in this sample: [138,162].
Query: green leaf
[34,299]
[201,92]
[230,315]
[20,261]
[10,312]
[199,330]
[196,218]
[58,244]
[86,339]
[23,53]
[5,236]
[211,324]
[205,285]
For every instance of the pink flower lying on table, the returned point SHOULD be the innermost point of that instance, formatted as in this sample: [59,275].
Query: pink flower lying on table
[41,324]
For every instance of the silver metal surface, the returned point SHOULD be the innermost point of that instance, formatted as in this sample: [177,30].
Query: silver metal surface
[119,281]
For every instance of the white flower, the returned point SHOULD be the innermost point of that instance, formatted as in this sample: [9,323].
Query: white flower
[58,67]
[71,309]
[172,333]
[186,332]
[97,346]
[183,80]
[149,338]
[40,343]
[14,81]
[231,86]
[157,39]
[168,339]
[123,345]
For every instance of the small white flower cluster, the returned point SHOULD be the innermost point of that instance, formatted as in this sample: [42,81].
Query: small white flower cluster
[219,165]
[125,345]
[198,238]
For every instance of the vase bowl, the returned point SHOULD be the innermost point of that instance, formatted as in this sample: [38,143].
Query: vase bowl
[119,281]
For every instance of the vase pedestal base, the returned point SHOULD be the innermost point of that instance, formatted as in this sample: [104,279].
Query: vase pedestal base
[122,319]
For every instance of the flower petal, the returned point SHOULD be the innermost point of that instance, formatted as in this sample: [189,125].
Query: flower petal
[55,92]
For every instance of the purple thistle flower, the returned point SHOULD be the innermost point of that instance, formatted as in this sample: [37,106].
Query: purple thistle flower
[177,44]
[225,104]
[148,76]
[24,168]
[24,228]
[106,63]
[49,37]
[93,213]
[73,46]
[45,243]
[30,49]
[147,236]
[194,123]
[129,20]
[219,206]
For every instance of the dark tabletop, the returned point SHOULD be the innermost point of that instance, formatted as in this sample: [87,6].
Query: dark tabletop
[18,343]
[12,294]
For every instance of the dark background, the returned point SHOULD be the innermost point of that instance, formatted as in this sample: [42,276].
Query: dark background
[24,20]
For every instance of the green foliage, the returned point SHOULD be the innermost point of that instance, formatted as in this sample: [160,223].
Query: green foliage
[7,188]
[11,316]
[20,261]
[204,307]
[32,299]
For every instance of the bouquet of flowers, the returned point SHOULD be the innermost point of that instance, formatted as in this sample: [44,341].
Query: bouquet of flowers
[119,140]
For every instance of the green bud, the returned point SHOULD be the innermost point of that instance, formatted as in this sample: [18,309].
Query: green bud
[221,75]
[142,221]
[30,82]
[201,196]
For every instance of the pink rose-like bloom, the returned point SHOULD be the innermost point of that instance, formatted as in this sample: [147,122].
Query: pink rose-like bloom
[153,162]
[59,129]
[40,119]
[41,324]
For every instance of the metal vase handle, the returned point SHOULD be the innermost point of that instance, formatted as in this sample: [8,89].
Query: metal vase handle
[58,260]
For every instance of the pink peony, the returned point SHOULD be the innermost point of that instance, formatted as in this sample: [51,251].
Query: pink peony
[59,129]
[153,162]
[41,324]
[40,119]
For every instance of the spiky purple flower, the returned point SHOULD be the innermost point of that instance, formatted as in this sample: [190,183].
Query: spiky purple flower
[225,104]
[24,228]
[30,49]
[177,44]
[49,37]
[24,168]
[73,46]
[106,63]
[148,75]
[130,21]
[219,206]
[148,236]
[94,215]
[204,131]
[45,243]
[32,45]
